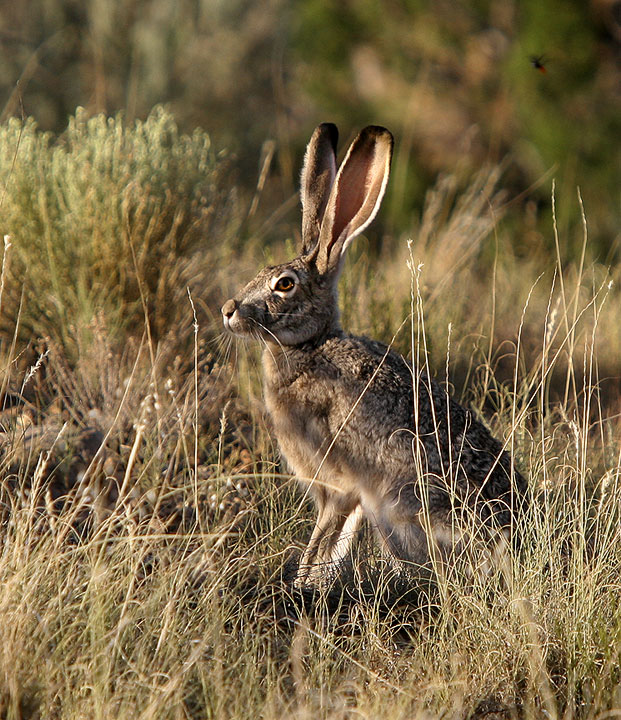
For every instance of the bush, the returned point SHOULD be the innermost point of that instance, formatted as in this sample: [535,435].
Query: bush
[113,220]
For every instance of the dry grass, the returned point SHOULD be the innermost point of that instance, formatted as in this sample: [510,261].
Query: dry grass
[147,528]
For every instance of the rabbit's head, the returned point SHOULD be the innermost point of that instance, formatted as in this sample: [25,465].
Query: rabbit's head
[296,302]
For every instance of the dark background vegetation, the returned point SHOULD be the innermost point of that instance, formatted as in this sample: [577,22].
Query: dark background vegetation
[452,80]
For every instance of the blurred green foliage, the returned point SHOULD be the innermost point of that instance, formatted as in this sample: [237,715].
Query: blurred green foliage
[454,82]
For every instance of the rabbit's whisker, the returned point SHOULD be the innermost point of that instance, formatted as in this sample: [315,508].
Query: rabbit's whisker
[282,347]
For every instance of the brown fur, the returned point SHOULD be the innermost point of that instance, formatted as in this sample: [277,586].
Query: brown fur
[370,435]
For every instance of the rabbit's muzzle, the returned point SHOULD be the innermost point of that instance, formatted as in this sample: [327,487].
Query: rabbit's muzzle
[231,317]
[242,318]
[229,309]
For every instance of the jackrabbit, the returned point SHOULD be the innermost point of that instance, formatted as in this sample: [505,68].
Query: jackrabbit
[370,435]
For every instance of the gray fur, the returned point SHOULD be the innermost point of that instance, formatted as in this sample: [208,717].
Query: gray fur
[371,436]
[318,176]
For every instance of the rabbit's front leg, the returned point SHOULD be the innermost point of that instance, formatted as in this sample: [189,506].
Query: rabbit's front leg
[337,524]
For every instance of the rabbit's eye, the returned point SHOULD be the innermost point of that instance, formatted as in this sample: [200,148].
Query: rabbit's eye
[284,284]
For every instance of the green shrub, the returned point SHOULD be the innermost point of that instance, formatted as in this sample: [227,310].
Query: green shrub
[111,221]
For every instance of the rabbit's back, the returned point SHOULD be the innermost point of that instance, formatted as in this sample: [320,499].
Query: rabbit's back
[351,413]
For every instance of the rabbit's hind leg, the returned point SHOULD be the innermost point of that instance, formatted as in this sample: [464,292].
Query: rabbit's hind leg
[404,538]
[329,547]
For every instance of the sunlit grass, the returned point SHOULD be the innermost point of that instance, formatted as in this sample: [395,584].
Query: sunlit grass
[148,530]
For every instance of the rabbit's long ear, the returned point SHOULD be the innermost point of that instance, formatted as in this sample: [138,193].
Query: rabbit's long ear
[356,195]
[318,175]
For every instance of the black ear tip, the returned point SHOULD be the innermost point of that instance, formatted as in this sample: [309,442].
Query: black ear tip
[377,132]
[330,132]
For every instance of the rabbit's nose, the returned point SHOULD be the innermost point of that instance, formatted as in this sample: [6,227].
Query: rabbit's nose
[229,308]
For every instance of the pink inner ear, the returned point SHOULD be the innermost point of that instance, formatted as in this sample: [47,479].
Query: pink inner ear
[349,202]
[363,182]
[356,195]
